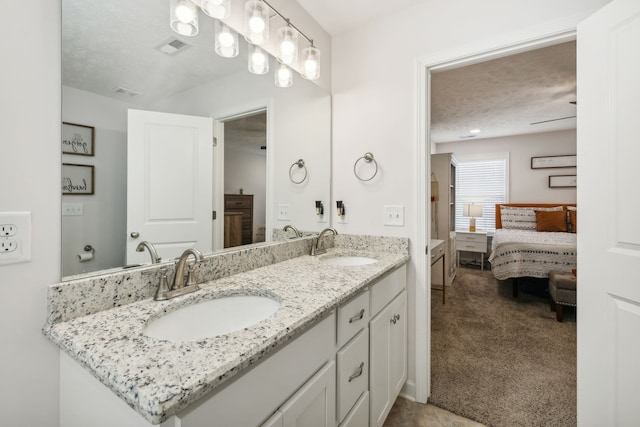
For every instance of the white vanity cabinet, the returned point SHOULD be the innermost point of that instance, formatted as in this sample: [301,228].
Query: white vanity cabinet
[346,370]
[388,344]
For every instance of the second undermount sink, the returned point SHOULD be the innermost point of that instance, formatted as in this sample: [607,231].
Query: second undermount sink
[349,260]
[212,318]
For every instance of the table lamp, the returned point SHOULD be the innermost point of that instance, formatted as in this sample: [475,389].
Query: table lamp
[472,210]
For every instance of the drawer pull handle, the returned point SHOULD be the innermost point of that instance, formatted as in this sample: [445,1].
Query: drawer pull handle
[357,316]
[357,373]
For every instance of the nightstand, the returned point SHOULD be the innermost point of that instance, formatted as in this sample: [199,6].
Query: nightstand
[472,242]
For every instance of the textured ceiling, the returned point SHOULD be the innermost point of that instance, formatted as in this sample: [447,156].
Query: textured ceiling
[111,43]
[504,96]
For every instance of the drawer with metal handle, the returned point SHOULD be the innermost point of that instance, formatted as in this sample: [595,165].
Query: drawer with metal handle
[353,372]
[352,317]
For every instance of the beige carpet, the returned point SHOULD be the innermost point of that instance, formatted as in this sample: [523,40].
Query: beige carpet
[502,361]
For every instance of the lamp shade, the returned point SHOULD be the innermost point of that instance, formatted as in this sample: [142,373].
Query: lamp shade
[472,210]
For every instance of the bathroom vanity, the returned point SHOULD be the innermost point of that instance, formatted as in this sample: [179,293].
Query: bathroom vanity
[333,354]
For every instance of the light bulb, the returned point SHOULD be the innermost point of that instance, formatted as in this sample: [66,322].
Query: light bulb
[287,47]
[185,11]
[225,39]
[311,63]
[219,9]
[256,24]
[284,76]
[184,29]
[258,60]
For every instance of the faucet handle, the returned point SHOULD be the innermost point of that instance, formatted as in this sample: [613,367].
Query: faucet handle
[163,286]
[190,279]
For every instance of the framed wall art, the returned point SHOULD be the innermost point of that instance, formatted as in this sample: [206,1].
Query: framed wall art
[78,139]
[562,181]
[77,179]
[568,161]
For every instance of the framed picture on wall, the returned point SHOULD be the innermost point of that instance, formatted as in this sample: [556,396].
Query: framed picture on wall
[77,179]
[78,139]
[562,181]
[568,161]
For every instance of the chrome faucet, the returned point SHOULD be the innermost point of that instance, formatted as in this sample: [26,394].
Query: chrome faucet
[317,247]
[179,287]
[291,227]
[152,251]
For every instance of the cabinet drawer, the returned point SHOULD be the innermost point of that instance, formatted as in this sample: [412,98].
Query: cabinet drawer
[352,317]
[471,246]
[231,203]
[437,252]
[353,372]
[359,415]
[471,237]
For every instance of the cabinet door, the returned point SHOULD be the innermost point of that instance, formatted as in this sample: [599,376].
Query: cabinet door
[387,357]
[398,350]
[314,405]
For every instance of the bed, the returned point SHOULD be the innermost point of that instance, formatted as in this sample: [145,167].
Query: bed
[519,250]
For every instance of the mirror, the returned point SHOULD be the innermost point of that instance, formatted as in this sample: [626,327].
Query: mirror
[118,56]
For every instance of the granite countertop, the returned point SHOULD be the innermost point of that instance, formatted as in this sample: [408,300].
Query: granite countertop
[160,378]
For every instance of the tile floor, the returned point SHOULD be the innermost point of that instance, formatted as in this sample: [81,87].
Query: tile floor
[411,414]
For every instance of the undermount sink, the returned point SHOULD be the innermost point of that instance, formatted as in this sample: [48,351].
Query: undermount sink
[212,318]
[349,260]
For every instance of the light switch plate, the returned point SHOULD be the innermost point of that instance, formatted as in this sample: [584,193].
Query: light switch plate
[394,215]
[72,209]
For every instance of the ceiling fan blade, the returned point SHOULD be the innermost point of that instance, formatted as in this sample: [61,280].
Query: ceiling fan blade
[552,120]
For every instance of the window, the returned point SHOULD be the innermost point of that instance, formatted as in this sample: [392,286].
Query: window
[481,179]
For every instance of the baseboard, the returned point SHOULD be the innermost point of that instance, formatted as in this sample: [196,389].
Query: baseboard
[408,391]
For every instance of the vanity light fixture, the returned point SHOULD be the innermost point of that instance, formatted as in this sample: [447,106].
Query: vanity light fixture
[258,60]
[256,22]
[284,76]
[226,40]
[183,17]
[287,44]
[311,63]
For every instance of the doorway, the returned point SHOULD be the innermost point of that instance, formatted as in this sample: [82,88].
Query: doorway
[440,62]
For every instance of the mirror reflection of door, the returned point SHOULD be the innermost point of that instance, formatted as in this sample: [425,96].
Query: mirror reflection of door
[245,172]
[169,183]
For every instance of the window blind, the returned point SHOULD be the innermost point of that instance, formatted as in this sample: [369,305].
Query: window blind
[481,180]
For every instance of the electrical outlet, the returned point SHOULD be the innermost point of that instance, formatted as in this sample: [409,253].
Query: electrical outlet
[394,215]
[8,245]
[7,230]
[15,247]
[283,212]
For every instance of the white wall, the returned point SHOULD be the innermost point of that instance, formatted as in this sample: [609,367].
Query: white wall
[247,170]
[109,203]
[30,132]
[526,185]
[375,98]
[298,127]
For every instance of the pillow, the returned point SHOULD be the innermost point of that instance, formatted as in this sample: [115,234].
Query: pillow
[551,221]
[522,218]
[573,219]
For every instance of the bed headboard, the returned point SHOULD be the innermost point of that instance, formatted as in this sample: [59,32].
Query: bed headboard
[527,205]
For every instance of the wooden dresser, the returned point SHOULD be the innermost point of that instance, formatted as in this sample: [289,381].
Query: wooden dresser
[242,203]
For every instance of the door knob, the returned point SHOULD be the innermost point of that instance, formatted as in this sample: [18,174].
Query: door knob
[135,234]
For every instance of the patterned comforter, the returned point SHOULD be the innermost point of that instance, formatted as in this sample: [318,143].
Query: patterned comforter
[525,253]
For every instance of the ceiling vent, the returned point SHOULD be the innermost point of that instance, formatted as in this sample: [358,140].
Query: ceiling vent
[172,46]
[124,91]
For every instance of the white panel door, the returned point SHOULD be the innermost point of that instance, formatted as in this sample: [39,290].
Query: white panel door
[169,183]
[608,225]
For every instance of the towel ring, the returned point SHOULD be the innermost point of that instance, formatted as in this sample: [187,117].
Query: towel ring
[300,164]
[368,158]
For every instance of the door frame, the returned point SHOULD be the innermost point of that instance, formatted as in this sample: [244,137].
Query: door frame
[534,38]
[237,112]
